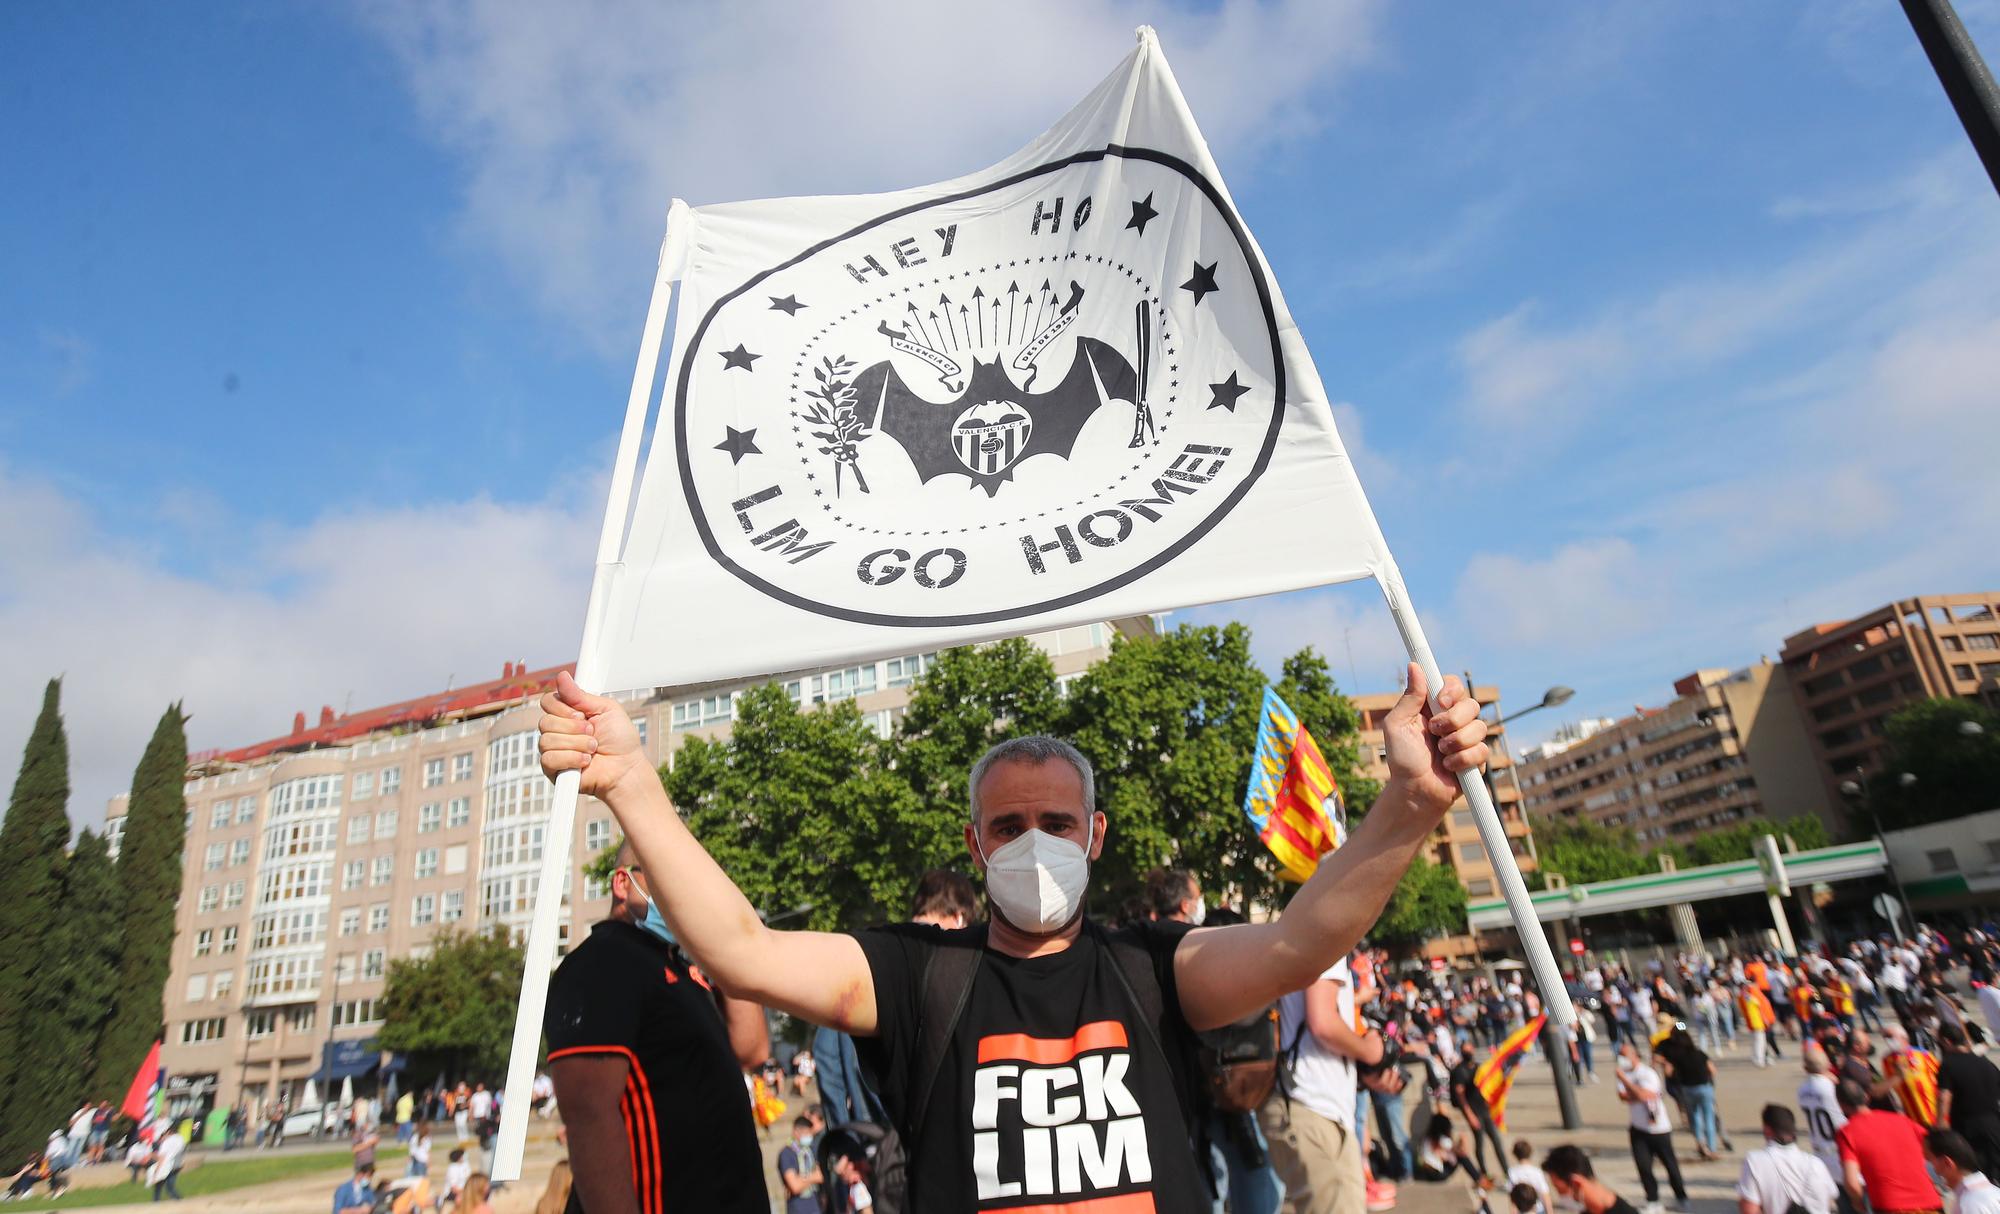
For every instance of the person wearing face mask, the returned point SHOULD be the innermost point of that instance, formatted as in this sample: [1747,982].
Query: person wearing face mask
[800,1172]
[1038,1059]
[647,1058]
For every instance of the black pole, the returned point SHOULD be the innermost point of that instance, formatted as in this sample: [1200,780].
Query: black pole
[1966,80]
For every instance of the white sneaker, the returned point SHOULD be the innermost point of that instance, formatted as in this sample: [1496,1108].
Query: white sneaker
[1652,1207]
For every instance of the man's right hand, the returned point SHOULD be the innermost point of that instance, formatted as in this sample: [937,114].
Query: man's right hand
[590,734]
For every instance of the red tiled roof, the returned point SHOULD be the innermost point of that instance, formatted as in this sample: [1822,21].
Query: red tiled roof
[516,684]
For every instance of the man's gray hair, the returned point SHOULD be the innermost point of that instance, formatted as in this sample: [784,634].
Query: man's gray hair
[1037,750]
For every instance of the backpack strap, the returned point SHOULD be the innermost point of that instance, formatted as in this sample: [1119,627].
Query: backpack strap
[1133,965]
[947,987]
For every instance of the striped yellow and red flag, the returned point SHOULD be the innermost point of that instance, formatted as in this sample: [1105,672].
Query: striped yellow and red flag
[1292,798]
[1495,1077]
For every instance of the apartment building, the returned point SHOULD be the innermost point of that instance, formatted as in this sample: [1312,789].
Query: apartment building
[1728,747]
[1849,676]
[1456,842]
[315,858]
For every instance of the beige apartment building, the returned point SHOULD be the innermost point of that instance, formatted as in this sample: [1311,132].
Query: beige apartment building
[1849,676]
[316,857]
[1729,747]
[1456,842]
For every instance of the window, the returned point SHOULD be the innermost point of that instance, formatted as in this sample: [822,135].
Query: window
[382,871]
[353,873]
[1993,850]
[1983,640]
[433,772]
[218,817]
[385,824]
[204,942]
[1962,673]
[358,827]
[220,988]
[427,862]
[211,856]
[211,897]
[1478,887]
[902,672]
[285,929]
[1943,860]
[232,895]
[350,921]
[197,988]
[1462,819]
[300,1019]
[378,917]
[1952,644]
[848,683]
[430,818]
[461,812]
[364,786]
[280,976]
[228,939]
[239,852]
[344,968]
[371,963]
[210,1029]
[594,889]
[454,858]
[705,710]
[596,835]
[357,1011]
[246,810]
[639,723]
[392,779]
[461,767]
[1471,853]
[453,907]
[258,1025]
[423,910]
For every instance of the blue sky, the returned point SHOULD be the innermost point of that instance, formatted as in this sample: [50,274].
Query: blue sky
[1658,331]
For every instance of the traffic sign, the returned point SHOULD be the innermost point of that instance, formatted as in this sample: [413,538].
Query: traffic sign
[1886,906]
[1576,946]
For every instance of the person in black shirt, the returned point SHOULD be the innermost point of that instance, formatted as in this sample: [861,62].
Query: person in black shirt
[647,1059]
[1039,1059]
[1570,1175]
[1969,1096]
[1471,1103]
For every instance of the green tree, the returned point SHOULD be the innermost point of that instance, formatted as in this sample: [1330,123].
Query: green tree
[78,970]
[453,1010]
[805,808]
[149,884]
[1306,683]
[1429,901]
[1957,770]
[967,701]
[1583,851]
[1739,842]
[32,841]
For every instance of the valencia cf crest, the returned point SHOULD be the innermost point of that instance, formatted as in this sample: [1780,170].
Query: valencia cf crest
[1031,392]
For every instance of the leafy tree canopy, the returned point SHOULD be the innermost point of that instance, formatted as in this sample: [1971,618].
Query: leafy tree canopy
[1429,901]
[1957,769]
[1583,851]
[455,1006]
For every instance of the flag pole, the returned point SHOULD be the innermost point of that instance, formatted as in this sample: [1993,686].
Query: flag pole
[1967,82]
[541,948]
[1492,833]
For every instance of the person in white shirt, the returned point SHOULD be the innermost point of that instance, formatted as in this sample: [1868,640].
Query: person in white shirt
[1989,1007]
[1651,1133]
[1821,1107]
[1778,1176]
[165,1173]
[1524,1171]
[1315,1146]
[1957,1164]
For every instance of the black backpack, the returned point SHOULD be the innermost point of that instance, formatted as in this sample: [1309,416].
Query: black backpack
[947,987]
[1240,1061]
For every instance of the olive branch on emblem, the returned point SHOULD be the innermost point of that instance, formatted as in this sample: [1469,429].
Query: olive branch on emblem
[842,429]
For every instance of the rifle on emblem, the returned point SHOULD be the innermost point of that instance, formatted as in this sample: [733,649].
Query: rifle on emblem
[1142,413]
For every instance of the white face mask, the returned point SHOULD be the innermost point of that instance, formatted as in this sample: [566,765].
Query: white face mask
[1199,913]
[1036,880]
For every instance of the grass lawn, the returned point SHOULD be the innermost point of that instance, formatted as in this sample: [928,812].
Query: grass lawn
[217,1174]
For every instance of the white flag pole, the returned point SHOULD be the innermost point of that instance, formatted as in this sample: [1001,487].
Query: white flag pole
[1534,941]
[541,950]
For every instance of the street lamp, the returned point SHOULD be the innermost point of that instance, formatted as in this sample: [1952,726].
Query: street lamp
[1555,696]
[1856,791]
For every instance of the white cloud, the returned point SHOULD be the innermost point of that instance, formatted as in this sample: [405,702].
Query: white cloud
[1580,597]
[1516,376]
[377,606]
[576,123]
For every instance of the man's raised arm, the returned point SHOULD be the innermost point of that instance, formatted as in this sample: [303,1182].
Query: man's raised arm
[1225,973]
[819,976]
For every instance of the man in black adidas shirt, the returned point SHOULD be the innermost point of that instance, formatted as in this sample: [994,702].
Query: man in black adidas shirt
[1037,1061]
[647,1059]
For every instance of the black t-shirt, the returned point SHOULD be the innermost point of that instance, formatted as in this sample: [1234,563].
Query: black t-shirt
[687,1116]
[1465,1085]
[1974,1084]
[1052,1092]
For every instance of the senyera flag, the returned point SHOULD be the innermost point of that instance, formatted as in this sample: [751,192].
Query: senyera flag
[1062,389]
[1495,1077]
[1292,799]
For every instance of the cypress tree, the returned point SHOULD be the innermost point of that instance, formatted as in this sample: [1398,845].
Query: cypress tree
[33,840]
[76,981]
[149,884]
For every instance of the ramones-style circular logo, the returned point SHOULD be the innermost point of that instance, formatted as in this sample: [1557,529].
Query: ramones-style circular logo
[987,405]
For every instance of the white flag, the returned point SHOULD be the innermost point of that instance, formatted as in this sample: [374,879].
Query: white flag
[1062,389]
